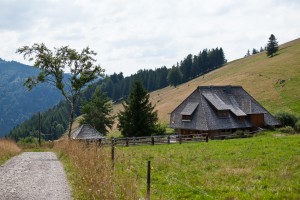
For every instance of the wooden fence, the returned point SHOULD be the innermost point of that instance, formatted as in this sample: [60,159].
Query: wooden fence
[151,140]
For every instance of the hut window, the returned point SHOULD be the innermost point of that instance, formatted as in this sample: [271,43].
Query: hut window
[241,118]
[187,118]
[222,113]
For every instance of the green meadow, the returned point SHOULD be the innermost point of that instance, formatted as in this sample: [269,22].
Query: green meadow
[266,166]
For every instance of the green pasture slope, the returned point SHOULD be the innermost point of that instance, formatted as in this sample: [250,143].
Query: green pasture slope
[266,166]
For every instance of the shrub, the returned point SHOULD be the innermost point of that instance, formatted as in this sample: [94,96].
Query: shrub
[297,126]
[287,129]
[160,129]
[286,118]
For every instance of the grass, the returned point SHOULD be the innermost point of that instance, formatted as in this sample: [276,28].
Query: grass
[90,173]
[263,167]
[8,149]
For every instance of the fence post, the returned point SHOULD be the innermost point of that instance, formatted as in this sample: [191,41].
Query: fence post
[152,140]
[180,139]
[133,140]
[127,142]
[168,139]
[206,138]
[148,180]
[113,152]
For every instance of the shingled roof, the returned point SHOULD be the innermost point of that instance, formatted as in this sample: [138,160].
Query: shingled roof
[86,132]
[205,102]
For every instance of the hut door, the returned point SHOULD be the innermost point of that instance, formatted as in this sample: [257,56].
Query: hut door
[257,120]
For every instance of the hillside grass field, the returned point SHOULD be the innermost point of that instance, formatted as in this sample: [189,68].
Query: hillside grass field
[265,166]
[273,82]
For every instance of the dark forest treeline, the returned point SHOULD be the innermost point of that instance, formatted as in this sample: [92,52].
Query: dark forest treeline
[117,87]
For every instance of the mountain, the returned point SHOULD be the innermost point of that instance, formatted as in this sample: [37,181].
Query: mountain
[16,103]
[274,82]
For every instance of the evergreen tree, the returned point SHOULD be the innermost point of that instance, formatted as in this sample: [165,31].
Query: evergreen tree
[254,51]
[98,112]
[272,46]
[261,49]
[138,117]
[248,53]
[174,76]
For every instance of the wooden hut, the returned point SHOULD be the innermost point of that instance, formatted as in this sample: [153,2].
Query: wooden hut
[220,110]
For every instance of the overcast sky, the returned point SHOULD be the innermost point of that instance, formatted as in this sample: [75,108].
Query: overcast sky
[130,35]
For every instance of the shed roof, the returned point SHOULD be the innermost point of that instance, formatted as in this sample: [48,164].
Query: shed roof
[86,132]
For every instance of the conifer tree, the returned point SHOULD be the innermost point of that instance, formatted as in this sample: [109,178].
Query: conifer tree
[261,49]
[254,51]
[272,46]
[138,117]
[98,112]
[248,53]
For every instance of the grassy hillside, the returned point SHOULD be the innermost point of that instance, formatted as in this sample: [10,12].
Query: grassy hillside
[263,167]
[274,82]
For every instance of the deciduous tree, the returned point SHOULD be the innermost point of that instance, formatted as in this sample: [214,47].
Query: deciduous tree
[52,65]
[174,76]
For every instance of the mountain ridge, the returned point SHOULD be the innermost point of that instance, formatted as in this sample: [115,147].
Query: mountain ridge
[17,103]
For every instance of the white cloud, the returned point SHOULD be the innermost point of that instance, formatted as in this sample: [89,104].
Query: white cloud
[129,35]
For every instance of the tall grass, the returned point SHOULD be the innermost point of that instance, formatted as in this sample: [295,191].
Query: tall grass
[91,173]
[8,148]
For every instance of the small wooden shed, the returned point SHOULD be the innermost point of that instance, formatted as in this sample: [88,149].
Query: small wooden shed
[86,132]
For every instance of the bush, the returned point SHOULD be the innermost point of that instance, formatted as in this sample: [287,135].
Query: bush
[160,129]
[297,126]
[287,129]
[286,118]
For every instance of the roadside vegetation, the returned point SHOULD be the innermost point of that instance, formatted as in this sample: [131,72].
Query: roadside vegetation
[8,149]
[265,166]
[91,174]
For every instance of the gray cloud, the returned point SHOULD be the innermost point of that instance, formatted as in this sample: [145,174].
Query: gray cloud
[129,35]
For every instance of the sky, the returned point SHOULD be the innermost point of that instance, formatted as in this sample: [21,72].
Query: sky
[146,34]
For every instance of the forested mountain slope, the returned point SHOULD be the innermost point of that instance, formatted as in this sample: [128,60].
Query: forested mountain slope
[16,103]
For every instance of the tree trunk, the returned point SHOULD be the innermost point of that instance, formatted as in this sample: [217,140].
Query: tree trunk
[71,116]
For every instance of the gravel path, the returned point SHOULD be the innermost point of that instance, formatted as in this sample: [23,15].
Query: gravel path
[34,176]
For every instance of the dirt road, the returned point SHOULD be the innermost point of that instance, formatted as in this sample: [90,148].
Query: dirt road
[34,176]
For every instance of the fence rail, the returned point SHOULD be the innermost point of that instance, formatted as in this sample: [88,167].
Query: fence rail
[151,140]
